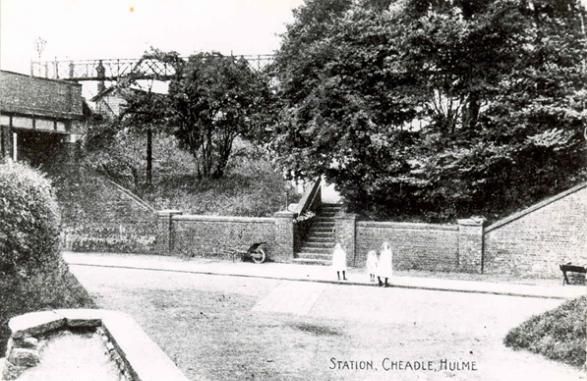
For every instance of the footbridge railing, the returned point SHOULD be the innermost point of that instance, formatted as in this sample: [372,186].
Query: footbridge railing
[112,69]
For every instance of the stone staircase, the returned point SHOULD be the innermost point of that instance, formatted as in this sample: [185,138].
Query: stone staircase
[319,243]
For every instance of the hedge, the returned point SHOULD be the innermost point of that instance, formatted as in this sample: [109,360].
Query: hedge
[33,276]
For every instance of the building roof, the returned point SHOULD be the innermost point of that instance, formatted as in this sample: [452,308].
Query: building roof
[156,88]
[111,101]
[22,94]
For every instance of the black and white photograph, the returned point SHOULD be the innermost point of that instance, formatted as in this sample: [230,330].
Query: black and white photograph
[293,190]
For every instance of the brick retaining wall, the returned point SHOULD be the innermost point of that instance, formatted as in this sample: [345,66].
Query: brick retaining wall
[533,242]
[539,239]
[99,215]
[207,235]
[415,246]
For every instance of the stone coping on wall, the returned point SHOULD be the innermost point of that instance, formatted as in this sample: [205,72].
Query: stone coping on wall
[406,225]
[533,208]
[205,218]
[139,201]
[143,357]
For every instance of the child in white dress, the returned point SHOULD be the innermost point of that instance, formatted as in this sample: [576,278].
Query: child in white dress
[385,266]
[339,261]
[372,260]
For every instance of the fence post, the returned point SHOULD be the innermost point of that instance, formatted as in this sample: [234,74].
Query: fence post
[470,255]
[284,235]
[164,243]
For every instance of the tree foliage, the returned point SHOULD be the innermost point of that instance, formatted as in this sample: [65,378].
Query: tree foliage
[212,100]
[110,148]
[142,113]
[434,108]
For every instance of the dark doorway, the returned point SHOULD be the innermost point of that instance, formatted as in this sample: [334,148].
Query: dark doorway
[38,148]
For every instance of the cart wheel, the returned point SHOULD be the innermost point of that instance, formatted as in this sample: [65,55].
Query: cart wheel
[258,256]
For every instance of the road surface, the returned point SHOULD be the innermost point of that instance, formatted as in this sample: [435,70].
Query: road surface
[234,328]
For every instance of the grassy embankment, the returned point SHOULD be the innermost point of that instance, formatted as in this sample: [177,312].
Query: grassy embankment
[558,334]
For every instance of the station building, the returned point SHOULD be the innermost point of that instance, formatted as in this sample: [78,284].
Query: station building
[39,117]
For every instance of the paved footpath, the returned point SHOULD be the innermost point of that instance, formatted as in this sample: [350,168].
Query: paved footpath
[320,274]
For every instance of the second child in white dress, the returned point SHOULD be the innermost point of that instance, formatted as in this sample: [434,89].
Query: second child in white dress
[385,266]
[372,259]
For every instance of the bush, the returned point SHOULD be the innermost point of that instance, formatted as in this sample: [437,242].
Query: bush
[33,276]
[29,234]
[558,334]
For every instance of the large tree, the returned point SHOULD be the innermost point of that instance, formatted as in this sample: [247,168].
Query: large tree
[435,107]
[212,100]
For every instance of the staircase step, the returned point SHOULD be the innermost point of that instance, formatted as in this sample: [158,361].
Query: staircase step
[318,250]
[322,232]
[303,261]
[320,240]
[319,244]
[322,227]
[306,255]
[320,235]
[323,222]
[315,236]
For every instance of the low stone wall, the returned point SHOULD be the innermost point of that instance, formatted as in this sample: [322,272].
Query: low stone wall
[415,246]
[135,355]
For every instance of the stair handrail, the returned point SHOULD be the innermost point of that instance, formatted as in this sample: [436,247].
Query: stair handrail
[310,201]
[307,202]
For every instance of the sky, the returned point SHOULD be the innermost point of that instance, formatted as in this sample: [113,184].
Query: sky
[85,29]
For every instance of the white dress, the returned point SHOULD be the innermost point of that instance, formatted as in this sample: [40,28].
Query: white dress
[372,262]
[339,259]
[385,267]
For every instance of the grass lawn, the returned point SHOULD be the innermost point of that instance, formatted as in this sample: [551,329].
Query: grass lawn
[214,328]
[558,334]
[250,188]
